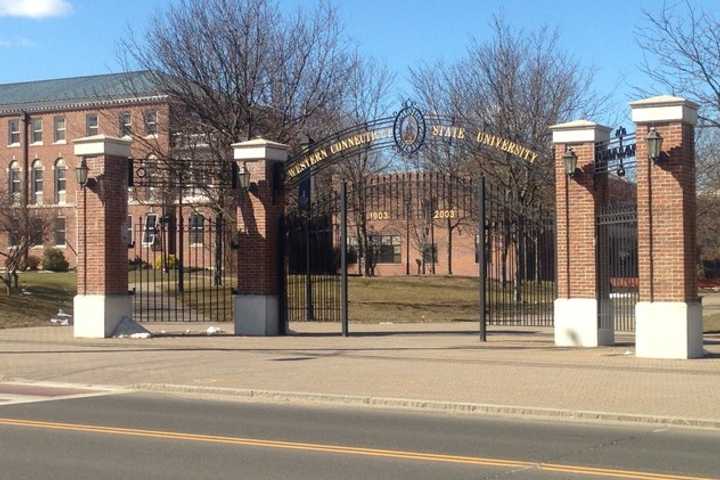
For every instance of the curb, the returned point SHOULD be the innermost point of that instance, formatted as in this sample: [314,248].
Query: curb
[433,406]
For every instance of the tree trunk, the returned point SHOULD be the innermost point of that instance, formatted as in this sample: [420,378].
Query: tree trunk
[450,246]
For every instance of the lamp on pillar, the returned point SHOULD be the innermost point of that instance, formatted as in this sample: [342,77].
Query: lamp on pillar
[244,178]
[654,144]
[81,174]
[570,160]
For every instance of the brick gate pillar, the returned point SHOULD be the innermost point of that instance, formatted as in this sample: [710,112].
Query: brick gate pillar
[102,299]
[259,210]
[576,308]
[668,317]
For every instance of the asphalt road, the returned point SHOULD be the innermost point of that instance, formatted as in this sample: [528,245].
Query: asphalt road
[138,436]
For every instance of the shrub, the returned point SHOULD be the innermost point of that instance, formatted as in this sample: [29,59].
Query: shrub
[138,264]
[31,263]
[54,260]
[170,261]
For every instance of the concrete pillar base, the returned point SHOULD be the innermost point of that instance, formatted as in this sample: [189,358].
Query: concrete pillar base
[97,316]
[668,330]
[576,324]
[257,315]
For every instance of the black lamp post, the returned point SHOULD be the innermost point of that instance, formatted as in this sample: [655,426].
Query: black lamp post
[570,161]
[244,178]
[654,144]
[81,174]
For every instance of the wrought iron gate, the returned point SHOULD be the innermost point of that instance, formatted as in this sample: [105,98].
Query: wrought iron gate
[616,226]
[514,249]
[519,260]
[181,272]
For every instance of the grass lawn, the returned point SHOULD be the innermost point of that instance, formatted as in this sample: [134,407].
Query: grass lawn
[380,299]
[413,299]
[712,323]
[409,299]
[41,297]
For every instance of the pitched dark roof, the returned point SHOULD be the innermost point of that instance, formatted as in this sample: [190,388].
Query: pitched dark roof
[68,92]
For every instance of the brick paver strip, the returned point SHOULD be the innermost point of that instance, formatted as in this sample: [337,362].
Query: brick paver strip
[41,391]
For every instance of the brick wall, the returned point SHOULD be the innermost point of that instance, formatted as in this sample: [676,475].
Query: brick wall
[258,222]
[47,154]
[576,204]
[102,254]
[666,215]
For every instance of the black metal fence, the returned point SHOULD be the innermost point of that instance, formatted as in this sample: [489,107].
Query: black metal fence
[312,278]
[514,256]
[181,272]
[519,245]
[616,227]
[618,267]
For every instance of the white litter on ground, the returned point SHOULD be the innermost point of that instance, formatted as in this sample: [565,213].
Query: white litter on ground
[61,319]
[214,331]
[130,329]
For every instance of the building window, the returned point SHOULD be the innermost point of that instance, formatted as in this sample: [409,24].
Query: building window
[60,175]
[37,182]
[91,124]
[58,129]
[352,250]
[130,237]
[125,123]
[59,237]
[150,118]
[36,136]
[429,253]
[386,248]
[14,132]
[197,229]
[150,229]
[36,232]
[14,182]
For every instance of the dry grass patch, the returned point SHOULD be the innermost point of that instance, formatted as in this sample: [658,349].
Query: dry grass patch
[41,295]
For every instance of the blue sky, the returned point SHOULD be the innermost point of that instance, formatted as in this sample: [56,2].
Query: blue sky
[58,38]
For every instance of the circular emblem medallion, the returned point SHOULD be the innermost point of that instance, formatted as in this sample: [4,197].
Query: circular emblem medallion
[409,129]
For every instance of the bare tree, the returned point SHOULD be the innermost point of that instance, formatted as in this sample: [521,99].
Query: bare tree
[682,56]
[233,70]
[367,99]
[514,85]
[22,228]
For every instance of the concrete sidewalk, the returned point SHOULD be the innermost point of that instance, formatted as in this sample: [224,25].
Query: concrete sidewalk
[437,363]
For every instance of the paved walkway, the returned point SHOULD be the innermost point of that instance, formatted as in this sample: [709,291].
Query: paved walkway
[517,366]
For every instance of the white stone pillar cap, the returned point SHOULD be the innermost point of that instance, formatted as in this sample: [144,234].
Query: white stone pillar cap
[260,149]
[97,145]
[664,108]
[580,131]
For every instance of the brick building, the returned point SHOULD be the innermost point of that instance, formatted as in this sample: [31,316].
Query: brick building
[39,121]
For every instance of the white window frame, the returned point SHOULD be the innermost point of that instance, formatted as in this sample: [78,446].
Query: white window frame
[194,229]
[130,231]
[88,116]
[37,195]
[55,230]
[14,168]
[147,123]
[57,130]
[149,237]
[34,131]
[59,196]
[13,133]
[123,125]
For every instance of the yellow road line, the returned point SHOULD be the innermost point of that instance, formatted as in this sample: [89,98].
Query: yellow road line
[340,449]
